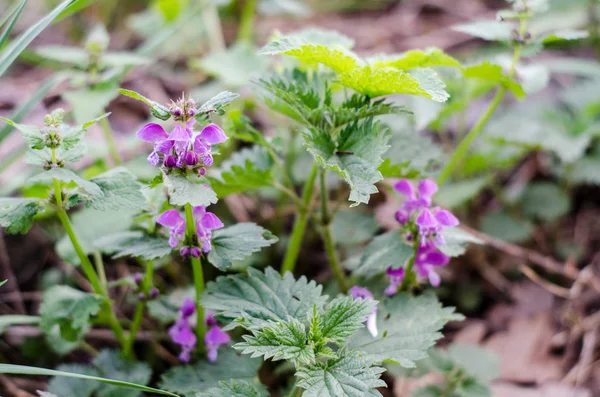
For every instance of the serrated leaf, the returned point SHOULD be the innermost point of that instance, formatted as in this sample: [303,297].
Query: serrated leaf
[342,317]
[246,170]
[133,244]
[430,57]
[374,82]
[156,108]
[182,191]
[89,189]
[112,365]
[357,108]
[408,327]
[16,214]
[32,134]
[68,310]
[386,250]
[348,376]
[237,242]
[486,29]
[354,155]
[191,379]
[259,297]
[236,388]
[281,340]
[494,73]
[73,387]
[120,189]
[545,201]
[219,101]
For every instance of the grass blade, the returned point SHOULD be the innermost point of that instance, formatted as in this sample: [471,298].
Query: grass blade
[12,22]
[26,370]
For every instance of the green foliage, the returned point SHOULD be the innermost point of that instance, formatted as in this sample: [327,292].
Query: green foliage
[182,191]
[408,326]
[235,65]
[191,379]
[86,188]
[386,250]
[110,364]
[71,387]
[135,244]
[80,57]
[453,195]
[237,242]
[487,30]
[545,201]
[493,73]
[347,376]
[217,104]
[341,318]
[159,111]
[456,241]
[120,191]
[235,388]
[353,227]
[88,103]
[10,19]
[16,214]
[430,57]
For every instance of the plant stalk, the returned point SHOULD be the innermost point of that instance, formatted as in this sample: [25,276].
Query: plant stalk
[409,274]
[246,28]
[293,249]
[139,310]
[112,147]
[192,236]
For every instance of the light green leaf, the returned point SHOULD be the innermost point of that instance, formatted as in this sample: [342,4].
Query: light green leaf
[344,316]
[12,51]
[487,30]
[217,103]
[247,169]
[73,387]
[191,379]
[493,73]
[455,194]
[9,21]
[585,171]
[545,201]
[67,54]
[281,340]
[8,320]
[135,244]
[480,363]
[408,327]
[354,155]
[120,190]
[122,58]
[237,242]
[386,250]
[32,134]
[3,282]
[183,191]
[88,103]
[235,388]
[568,34]
[16,214]
[68,310]
[112,365]
[25,370]
[375,82]
[90,189]
[456,241]
[159,111]
[234,66]
[353,227]
[430,57]
[256,298]
[501,225]
[348,376]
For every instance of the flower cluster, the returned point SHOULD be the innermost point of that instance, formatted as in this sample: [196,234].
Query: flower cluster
[182,333]
[363,293]
[205,222]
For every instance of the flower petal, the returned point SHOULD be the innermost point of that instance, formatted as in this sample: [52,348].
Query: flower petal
[199,212]
[152,132]
[427,188]
[210,221]
[170,218]
[426,219]
[372,324]
[164,146]
[213,134]
[216,336]
[188,308]
[436,258]
[446,218]
[434,278]
[180,134]
[404,187]
[153,159]
[360,292]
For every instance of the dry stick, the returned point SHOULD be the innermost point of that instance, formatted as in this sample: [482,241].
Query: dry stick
[548,286]
[11,286]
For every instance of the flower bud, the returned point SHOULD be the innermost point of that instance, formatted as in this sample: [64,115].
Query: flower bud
[142,296]
[137,278]
[184,251]
[170,161]
[195,252]
[401,217]
[201,171]
[153,293]
[191,158]
[192,112]
[177,112]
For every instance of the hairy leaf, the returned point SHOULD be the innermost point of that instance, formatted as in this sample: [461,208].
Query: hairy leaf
[110,364]
[493,73]
[16,214]
[561,35]
[430,57]
[135,244]
[87,188]
[237,242]
[217,103]
[386,250]
[182,191]
[456,241]
[73,387]
[256,298]
[158,110]
[236,388]
[32,134]
[121,191]
[342,317]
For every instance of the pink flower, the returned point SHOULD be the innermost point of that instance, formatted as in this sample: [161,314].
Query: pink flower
[206,222]
[396,278]
[363,293]
[214,338]
[181,332]
[427,259]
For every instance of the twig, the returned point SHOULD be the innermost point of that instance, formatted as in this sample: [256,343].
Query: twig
[548,286]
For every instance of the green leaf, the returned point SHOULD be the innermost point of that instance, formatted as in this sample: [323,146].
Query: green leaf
[3,282]
[110,364]
[487,30]
[503,226]
[62,53]
[408,327]
[354,155]
[135,244]
[237,242]
[32,134]
[11,19]
[585,171]
[493,73]
[456,241]
[246,170]
[120,190]
[257,298]
[480,363]
[88,103]
[348,376]
[281,340]
[16,214]
[25,370]
[386,250]
[453,195]
[12,51]
[122,58]
[8,320]
[183,191]
[73,387]
[344,316]
[562,35]
[217,103]
[356,108]
[234,66]
[430,57]
[235,388]
[159,111]
[353,227]
[68,310]
[545,201]
[374,82]
[90,189]
[191,379]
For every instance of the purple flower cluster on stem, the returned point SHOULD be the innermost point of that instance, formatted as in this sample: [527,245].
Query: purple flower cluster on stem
[206,222]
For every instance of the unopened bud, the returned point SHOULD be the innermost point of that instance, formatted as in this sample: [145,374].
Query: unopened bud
[195,252]
[184,251]
[137,278]
[177,112]
[153,293]
[201,171]
[401,217]
[192,112]
[191,158]
[170,161]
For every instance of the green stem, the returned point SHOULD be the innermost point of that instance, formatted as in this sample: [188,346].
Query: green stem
[112,147]
[246,28]
[192,237]
[295,392]
[100,267]
[464,145]
[409,274]
[139,310]
[87,266]
[293,249]
[212,22]
[328,240]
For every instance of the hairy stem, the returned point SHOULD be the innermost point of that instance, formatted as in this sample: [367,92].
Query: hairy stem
[246,28]
[293,249]
[139,310]
[464,145]
[328,240]
[110,141]
[192,236]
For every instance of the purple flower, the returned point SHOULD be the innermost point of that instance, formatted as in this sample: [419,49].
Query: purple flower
[363,293]
[432,222]
[427,259]
[396,277]
[181,332]
[206,222]
[214,338]
[416,201]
